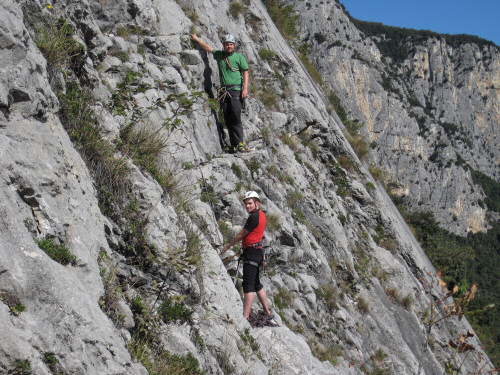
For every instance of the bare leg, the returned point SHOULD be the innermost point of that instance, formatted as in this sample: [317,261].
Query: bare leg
[247,304]
[263,300]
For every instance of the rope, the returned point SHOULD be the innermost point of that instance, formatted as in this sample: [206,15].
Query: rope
[261,319]
[229,258]
[230,67]
[222,93]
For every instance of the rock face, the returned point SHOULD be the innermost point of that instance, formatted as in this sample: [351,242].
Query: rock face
[429,105]
[342,258]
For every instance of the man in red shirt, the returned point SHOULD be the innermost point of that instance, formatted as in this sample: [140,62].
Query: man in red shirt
[253,254]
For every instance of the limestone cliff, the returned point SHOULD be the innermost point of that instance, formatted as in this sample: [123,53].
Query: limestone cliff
[429,104]
[143,287]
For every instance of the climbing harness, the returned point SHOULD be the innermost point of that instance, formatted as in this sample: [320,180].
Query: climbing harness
[263,263]
[241,259]
[223,93]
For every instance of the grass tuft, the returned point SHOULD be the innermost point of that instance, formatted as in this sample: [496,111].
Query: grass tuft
[58,252]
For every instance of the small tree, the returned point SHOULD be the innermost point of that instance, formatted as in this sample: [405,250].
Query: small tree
[444,307]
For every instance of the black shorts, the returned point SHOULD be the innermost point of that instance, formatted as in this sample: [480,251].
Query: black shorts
[251,280]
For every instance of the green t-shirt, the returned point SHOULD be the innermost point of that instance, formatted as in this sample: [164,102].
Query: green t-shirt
[230,75]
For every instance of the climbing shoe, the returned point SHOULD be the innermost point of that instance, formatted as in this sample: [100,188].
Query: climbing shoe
[232,150]
[241,147]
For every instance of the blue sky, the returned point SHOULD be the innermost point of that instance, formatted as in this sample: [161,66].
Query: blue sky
[474,17]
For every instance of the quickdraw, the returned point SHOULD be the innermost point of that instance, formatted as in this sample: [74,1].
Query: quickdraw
[222,93]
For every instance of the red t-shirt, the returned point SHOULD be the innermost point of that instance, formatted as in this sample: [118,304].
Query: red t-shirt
[256,223]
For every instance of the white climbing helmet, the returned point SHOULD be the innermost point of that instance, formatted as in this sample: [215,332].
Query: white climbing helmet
[250,194]
[228,38]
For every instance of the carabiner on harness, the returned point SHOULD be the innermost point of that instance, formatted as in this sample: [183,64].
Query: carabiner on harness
[222,94]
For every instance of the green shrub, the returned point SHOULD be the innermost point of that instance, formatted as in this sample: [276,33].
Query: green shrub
[145,347]
[298,215]
[376,173]
[446,252]
[390,244]
[293,198]
[267,98]
[356,139]
[193,244]
[273,222]
[407,301]
[125,31]
[379,229]
[159,361]
[329,295]
[121,55]
[282,299]
[288,139]
[362,305]
[194,17]
[315,150]
[329,353]
[319,37]
[112,290]
[342,219]
[138,306]
[237,170]
[347,163]
[266,133]
[353,126]
[311,69]
[249,340]
[22,367]
[273,171]
[50,360]
[266,54]
[283,16]
[54,38]
[172,310]
[335,105]
[253,164]
[13,302]
[236,9]
[490,187]
[83,128]
[58,252]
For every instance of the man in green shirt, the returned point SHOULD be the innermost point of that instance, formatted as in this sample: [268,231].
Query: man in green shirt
[233,73]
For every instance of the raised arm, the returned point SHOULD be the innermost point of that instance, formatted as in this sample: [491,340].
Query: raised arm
[202,44]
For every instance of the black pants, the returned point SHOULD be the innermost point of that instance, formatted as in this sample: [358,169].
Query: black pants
[231,107]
